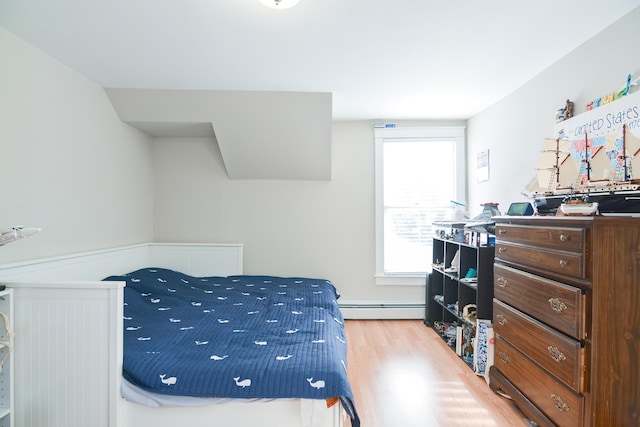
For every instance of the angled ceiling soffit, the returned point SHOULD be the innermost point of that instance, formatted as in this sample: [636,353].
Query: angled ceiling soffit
[261,135]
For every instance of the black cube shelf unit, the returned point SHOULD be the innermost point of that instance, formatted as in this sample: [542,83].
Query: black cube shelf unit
[449,291]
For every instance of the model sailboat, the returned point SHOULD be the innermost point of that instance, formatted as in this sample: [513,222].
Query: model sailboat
[589,166]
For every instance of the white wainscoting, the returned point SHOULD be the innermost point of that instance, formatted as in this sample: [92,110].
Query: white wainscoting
[68,328]
[207,259]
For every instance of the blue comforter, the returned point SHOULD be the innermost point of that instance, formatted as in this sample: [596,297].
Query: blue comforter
[236,336]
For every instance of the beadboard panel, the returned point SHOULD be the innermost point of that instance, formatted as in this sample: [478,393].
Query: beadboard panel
[68,356]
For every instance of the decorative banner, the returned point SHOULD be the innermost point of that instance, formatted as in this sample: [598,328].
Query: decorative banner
[598,147]
[603,120]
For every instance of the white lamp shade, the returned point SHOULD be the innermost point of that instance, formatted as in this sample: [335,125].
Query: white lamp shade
[279,4]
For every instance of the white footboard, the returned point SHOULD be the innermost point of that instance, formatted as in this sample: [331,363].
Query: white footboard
[238,413]
[68,354]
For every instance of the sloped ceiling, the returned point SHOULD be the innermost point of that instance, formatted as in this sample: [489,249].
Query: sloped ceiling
[261,135]
[353,59]
[381,59]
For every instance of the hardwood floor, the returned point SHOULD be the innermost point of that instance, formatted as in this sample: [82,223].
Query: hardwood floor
[403,374]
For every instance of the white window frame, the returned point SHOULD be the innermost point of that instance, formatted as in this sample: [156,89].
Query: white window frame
[456,133]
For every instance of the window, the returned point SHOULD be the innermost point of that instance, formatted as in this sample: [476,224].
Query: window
[419,171]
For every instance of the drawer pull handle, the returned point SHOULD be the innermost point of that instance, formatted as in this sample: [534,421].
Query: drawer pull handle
[557,305]
[564,238]
[502,231]
[560,405]
[502,250]
[502,320]
[556,354]
[504,357]
[502,282]
[563,263]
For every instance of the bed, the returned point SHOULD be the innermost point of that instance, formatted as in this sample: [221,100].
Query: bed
[69,326]
[242,337]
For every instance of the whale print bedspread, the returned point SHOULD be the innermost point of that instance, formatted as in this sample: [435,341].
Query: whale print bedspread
[237,336]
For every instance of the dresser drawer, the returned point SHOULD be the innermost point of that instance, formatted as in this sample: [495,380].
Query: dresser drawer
[555,400]
[566,263]
[556,304]
[557,238]
[555,352]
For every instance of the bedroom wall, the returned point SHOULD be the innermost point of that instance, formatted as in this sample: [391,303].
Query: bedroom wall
[513,129]
[327,228]
[71,167]
[290,228]
[67,163]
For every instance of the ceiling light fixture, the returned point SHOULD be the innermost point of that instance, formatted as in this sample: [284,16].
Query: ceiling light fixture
[279,4]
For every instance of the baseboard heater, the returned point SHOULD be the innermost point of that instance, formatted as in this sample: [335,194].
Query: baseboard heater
[382,310]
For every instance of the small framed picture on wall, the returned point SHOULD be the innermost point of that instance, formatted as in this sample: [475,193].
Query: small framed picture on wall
[482,170]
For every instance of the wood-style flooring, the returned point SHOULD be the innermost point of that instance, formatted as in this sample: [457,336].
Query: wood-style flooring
[403,375]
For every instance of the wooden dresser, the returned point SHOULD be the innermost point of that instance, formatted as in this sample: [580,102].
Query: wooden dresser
[566,317]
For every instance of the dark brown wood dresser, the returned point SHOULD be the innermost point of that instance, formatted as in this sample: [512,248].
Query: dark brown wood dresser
[566,318]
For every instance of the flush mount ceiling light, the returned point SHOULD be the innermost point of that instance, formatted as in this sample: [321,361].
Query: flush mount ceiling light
[279,4]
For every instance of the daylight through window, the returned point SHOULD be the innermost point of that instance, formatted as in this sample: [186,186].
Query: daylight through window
[418,175]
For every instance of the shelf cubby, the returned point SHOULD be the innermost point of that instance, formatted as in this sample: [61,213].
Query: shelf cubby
[449,291]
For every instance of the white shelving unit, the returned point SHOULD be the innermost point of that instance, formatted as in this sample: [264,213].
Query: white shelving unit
[6,345]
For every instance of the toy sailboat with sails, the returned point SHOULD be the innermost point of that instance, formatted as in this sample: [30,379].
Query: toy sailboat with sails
[588,167]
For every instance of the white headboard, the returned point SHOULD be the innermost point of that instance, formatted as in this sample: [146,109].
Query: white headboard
[195,259]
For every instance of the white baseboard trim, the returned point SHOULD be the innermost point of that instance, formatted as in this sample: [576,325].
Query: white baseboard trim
[375,311]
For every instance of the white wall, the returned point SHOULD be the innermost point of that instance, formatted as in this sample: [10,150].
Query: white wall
[513,129]
[290,228]
[91,180]
[67,163]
